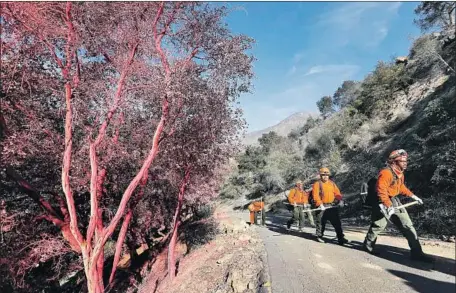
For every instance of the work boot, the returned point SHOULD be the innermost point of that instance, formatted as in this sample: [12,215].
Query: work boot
[288,225]
[422,257]
[300,229]
[343,241]
[321,240]
[370,251]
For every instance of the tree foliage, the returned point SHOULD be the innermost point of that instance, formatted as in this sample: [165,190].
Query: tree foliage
[346,94]
[379,87]
[311,122]
[252,159]
[270,140]
[435,14]
[110,108]
[326,106]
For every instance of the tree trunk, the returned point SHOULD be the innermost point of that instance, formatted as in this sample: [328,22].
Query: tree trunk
[176,224]
[120,241]
[171,249]
[68,236]
[100,261]
[92,283]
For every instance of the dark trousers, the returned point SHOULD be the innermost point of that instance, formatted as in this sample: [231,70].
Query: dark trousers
[256,215]
[331,215]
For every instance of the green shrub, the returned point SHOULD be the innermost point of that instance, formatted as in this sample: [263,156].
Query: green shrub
[425,58]
[379,87]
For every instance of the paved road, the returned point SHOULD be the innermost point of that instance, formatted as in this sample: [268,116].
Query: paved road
[298,263]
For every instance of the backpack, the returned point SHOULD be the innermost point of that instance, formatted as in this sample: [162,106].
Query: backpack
[368,193]
[311,200]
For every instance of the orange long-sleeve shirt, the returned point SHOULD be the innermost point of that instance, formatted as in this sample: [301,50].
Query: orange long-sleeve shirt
[256,206]
[385,188]
[330,192]
[298,196]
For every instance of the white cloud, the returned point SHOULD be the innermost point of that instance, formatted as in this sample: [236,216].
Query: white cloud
[395,6]
[329,59]
[346,16]
[358,23]
[361,25]
[349,15]
[333,68]
[300,94]
[381,31]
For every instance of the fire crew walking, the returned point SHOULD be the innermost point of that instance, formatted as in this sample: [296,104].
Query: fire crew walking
[390,184]
[324,192]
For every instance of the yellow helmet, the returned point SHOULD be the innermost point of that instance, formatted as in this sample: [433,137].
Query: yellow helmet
[324,171]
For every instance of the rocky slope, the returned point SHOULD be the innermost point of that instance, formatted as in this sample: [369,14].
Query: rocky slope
[233,262]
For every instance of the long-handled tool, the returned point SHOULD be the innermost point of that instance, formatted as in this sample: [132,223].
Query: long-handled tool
[316,209]
[261,211]
[384,211]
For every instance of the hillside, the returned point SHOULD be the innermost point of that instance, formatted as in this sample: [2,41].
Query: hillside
[121,169]
[409,105]
[282,128]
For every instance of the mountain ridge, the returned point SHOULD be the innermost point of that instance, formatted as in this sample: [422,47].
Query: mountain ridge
[282,128]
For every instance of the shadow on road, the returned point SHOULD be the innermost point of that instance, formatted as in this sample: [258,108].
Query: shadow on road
[277,223]
[402,256]
[283,230]
[422,284]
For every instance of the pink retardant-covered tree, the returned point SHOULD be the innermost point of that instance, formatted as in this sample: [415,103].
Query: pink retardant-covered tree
[200,147]
[107,92]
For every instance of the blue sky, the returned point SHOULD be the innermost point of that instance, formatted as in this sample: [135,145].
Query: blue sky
[305,50]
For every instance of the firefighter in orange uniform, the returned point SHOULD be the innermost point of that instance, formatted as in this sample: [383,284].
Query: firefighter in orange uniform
[255,208]
[326,192]
[390,184]
[299,198]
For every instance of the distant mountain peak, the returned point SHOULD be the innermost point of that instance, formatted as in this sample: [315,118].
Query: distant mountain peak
[284,127]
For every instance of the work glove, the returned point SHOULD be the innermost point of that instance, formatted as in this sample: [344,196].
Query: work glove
[294,204]
[322,207]
[388,211]
[419,200]
[341,203]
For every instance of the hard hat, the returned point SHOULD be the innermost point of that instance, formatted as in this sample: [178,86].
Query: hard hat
[298,182]
[397,155]
[324,171]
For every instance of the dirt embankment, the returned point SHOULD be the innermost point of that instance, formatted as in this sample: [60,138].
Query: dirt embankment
[233,262]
